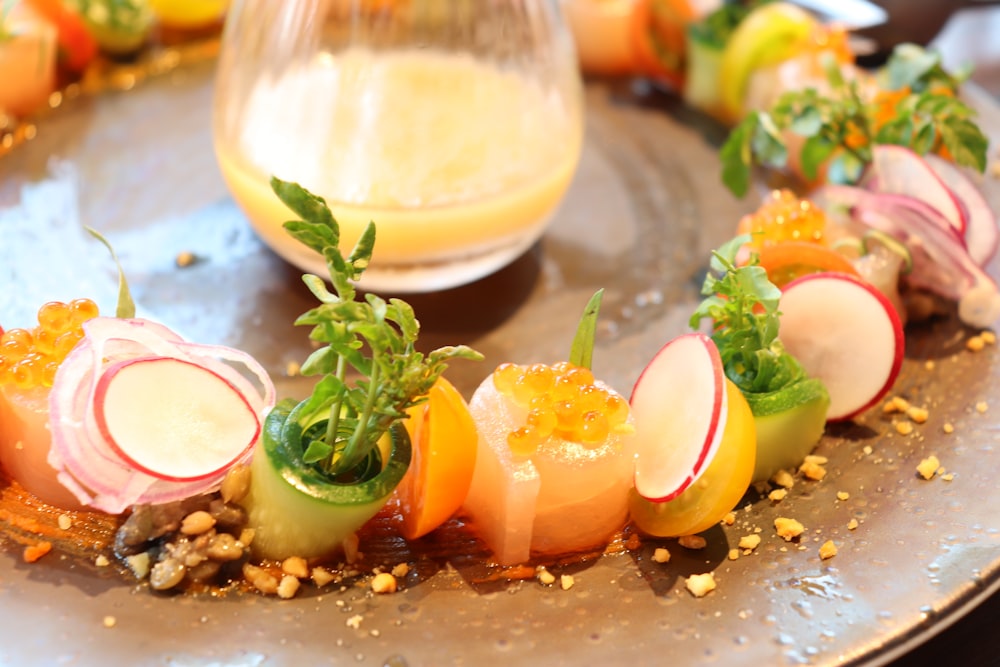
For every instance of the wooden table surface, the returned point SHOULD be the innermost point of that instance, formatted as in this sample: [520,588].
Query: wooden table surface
[971,36]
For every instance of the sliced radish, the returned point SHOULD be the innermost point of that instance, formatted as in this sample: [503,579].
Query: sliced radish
[897,170]
[106,473]
[845,333]
[679,404]
[173,419]
[982,235]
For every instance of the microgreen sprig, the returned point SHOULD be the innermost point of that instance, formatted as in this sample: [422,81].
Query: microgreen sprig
[842,126]
[374,337]
[742,305]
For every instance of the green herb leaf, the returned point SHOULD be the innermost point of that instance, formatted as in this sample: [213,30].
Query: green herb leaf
[125,309]
[373,338]
[582,350]
[742,305]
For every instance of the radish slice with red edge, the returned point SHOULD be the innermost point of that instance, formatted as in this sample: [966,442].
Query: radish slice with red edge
[679,405]
[846,334]
[897,170]
[982,235]
[100,471]
[173,419]
[941,261]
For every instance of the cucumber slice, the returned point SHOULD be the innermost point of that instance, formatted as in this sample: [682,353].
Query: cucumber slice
[789,423]
[296,511]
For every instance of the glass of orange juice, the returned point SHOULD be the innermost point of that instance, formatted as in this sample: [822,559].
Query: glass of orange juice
[454,125]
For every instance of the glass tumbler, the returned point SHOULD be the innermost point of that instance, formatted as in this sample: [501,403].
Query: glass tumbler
[454,125]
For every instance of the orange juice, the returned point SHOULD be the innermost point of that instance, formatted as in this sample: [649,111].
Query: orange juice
[459,164]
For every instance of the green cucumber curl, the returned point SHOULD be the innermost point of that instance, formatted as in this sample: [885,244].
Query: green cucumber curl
[789,423]
[296,510]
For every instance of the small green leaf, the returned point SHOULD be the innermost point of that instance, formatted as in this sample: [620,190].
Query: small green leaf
[965,141]
[736,156]
[317,451]
[808,123]
[815,151]
[125,309]
[581,352]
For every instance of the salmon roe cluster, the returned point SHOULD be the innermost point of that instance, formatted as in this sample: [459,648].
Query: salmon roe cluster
[784,217]
[29,358]
[562,401]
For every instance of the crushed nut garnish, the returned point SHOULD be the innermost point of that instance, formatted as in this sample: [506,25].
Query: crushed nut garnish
[109,621]
[566,581]
[749,542]
[948,427]
[354,621]
[544,576]
[919,415]
[975,344]
[777,495]
[827,550]
[896,404]
[296,567]
[65,521]
[184,259]
[729,519]
[383,582]
[982,407]
[700,585]
[102,561]
[852,524]
[843,495]
[292,369]
[812,470]
[788,529]
[734,554]
[692,541]
[661,555]
[322,576]
[929,467]
[288,587]
[988,337]
[784,479]
[903,428]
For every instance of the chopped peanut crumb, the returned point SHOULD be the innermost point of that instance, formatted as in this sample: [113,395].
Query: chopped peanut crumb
[288,587]
[948,427]
[975,344]
[184,259]
[700,585]
[982,406]
[296,567]
[292,369]
[734,554]
[749,542]
[843,495]
[321,576]
[109,621]
[928,467]
[65,521]
[661,555]
[929,364]
[545,577]
[566,581]
[852,524]
[988,337]
[948,477]
[903,428]
[729,519]
[827,550]
[895,404]
[354,621]
[919,415]
[102,561]
[692,541]
[400,570]
[383,582]
[788,529]
[812,470]
[777,495]
[784,479]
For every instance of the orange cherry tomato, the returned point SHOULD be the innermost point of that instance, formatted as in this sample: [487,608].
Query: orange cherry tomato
[659,35]
[786,261]
[444,440]
[77,47]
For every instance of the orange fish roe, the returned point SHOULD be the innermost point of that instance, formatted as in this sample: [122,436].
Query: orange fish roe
[784,217]
[30,357]
[563,401]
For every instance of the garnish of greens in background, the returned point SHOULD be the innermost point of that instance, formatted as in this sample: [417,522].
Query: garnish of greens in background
[918,107]
[373,337]
[329,463]
[5,8]
[789,407]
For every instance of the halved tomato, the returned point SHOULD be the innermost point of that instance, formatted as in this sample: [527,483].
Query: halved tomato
[444,440]
[659,36]
[787,261]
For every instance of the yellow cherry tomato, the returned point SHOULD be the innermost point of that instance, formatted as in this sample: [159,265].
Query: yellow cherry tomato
[189,14]
[717,491]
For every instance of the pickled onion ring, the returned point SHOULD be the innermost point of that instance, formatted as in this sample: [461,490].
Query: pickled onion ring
[85,461]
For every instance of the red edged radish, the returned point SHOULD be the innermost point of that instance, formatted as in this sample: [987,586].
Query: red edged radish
[982,235]
[941,261]
[680,404]
[86,407]
[845,333]
[172,419]
[898,170]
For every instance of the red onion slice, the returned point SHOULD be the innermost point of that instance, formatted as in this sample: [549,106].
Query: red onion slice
[941,261]
[85,461]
